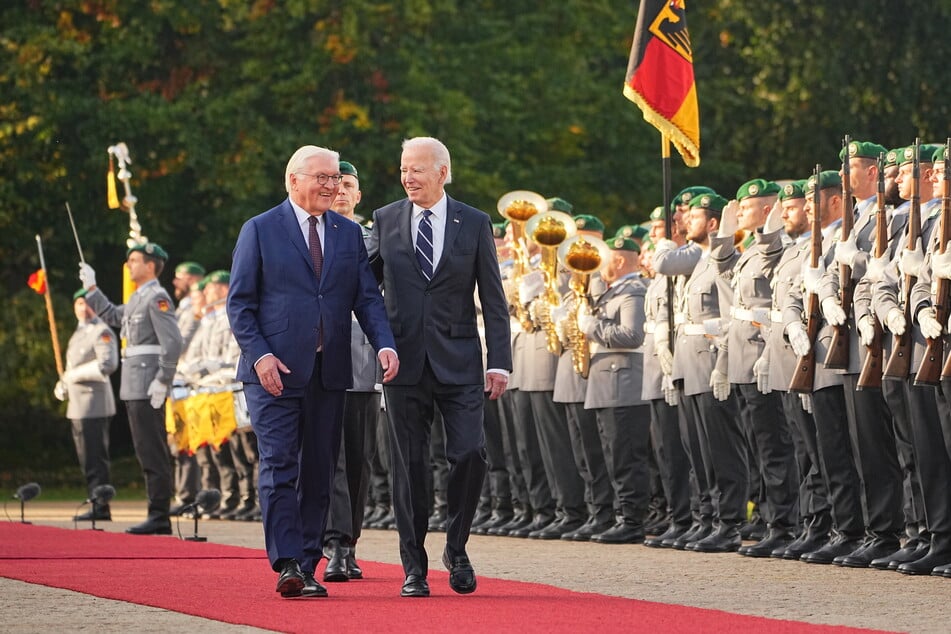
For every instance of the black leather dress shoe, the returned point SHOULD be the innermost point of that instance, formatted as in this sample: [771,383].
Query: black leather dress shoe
[942,571]
[539,522]
[497,520]
[726,539]
[755,531]
[336,554]
[696,532]
[437,522]
[152,526]
[99,514]
[876,549]
[387,521]
[518,522]
[312,589]
[587,530]
[290,583]
[556,530]
[808,543]
[354,571]
[913,551]
[667,538]
[839,546]
[481,517]
[937,557]
[462,577]
[415,586]
[775,538]
[621,533]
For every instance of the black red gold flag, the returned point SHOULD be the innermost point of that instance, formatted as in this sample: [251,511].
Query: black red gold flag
[660,75]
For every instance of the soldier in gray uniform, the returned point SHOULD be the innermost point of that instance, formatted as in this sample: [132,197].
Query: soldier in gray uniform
[91,356]
[153,343]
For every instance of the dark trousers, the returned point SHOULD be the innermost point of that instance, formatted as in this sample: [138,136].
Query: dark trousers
[530,457]
[378,453]
[210,479]
[625,439]
[671,460]
[298,439]
[701,489]
[836,460]
[557,457]
[352,472]
[814,507]
[228,475]
[410,410]
[913,506]
[187,477]
[438,478]
[589,459]
[147,426]
[499,489]
[91,437]
[507,422]
[244,452]
[931,456]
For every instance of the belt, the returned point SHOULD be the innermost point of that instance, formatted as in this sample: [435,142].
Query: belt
[138,351]
[776,316]
[694,329]
[757,315]
[596,348]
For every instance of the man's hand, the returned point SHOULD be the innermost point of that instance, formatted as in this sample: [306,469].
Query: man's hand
[157,392]
[806,402]
[269,371]
[866,330]
[928,320]
[941,263]
[671,393]
[495,384]
[875,270]
[832,311]
[720,385]
[910,262]
[798,339]
[531,286]
[390,364]
[87,275]
[59,391]
[811,277]
[895,321]
[728,222]
[846,250]
[774,220]
[761,374]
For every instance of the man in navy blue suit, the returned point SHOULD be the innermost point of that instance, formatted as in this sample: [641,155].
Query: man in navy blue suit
[299,271]
[433,253]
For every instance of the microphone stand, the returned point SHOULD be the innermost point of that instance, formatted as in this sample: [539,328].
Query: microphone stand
[94,509]
[22,517]
[196,537]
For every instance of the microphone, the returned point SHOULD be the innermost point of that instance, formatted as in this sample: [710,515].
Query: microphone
[27,492]
[102,494]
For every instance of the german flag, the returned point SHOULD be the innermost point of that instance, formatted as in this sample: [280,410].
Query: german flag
[37,281]
[660,75]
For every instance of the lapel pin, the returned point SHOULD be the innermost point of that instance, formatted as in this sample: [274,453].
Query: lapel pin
[456,220]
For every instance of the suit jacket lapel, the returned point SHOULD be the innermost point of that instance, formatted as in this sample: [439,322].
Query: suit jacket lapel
[331,226]
[405,227]
[294,235]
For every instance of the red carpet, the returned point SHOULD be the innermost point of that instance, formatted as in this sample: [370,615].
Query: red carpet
[235,585]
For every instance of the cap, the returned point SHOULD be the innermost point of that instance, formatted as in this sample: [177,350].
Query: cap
[347,168]
[658,214]
[498,230]
[199,285]
[795,189]
[757,188]
[150,249]
[714,201]
[632,231]
[925,153]
[559,204]
[891,157]
[218,277]
[862,149]
[587,222]
[620,243]
[689,193]
[827,179]
[80,293]
[189,268]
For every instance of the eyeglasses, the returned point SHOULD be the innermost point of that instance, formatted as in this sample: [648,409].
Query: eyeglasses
[323,178]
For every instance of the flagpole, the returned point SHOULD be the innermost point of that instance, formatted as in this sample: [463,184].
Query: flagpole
[669,229]
[49,309]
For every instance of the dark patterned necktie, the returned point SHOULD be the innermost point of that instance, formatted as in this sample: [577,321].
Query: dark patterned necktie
[316,253]
[424,244]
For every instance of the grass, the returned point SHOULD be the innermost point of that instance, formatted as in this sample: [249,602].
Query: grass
[65,482]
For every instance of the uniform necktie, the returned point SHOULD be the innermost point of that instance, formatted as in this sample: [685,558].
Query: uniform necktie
[316,253]
[424,244]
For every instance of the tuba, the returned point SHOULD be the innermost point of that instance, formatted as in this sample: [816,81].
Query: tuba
[518,207]
[549,230]
[583,256]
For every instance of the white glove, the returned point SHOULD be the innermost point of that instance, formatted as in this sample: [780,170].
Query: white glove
[910,261]
[87,275]
[671,393]
[928,320]
[531,286]
[806,402]
[846,250]
[157,392]
[798,339]
[761,373]
[811,277]
[875,270]
[866,329]
[774,220]
[728,222]
[558,313]
[586,323]
[59,391]
[833,313]
[941,263]
[720,385]
[895,321]
[664,356]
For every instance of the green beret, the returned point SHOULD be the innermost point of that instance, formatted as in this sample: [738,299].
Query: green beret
[891,157]
[925,153]
[80,293]
[757,188]
[347,167]
[687,194]
[632,231]
[714,201]
[862,149]
[150,249]
[620,243]
[498,230]
[795,189]
[559,204]
[189,268]
[938,156]
[199,285]
[658,213]
[218,277]
[648,244]
[586,222]
[827,179]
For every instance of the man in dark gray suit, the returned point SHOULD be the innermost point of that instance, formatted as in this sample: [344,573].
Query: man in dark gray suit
[431,252]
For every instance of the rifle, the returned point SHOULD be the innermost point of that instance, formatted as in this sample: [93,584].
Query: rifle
[871,375]
[804,377]
[928,372]
[837,357]
[899,363]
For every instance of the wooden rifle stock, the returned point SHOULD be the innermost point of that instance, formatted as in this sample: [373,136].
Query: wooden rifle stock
[804,378]
[899,363]
[837,358]
[928,373]
[871,374]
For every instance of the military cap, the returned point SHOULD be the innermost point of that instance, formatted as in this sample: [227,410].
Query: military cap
[498,230]
[218,277]
[632,231]
[199,285]
[938,156]
[80,293]
[862,149]
[189,268]
[827,179]
[149,248]
[587,222]
[925,153]
[795,189]
[347,168]
[620,243]
[658,213]
[891,157]
[713,201]
[559,204]
[687,194]
[756,188]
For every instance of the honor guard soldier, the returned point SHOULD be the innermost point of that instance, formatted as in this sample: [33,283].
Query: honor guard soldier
[153,343]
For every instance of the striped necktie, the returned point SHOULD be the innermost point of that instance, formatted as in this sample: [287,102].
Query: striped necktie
[424,244]
[316,253]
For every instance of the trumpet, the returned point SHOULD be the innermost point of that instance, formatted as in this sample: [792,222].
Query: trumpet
[582,255]
[549,230]
[518,207]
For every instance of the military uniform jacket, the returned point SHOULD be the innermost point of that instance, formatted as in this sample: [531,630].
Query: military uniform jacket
[781,360]
[570,387]
[187,322]
[617,356]
[147,320]
[95,342]
[655,317]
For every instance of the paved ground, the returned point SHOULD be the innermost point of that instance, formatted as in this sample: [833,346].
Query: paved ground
[772,588]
